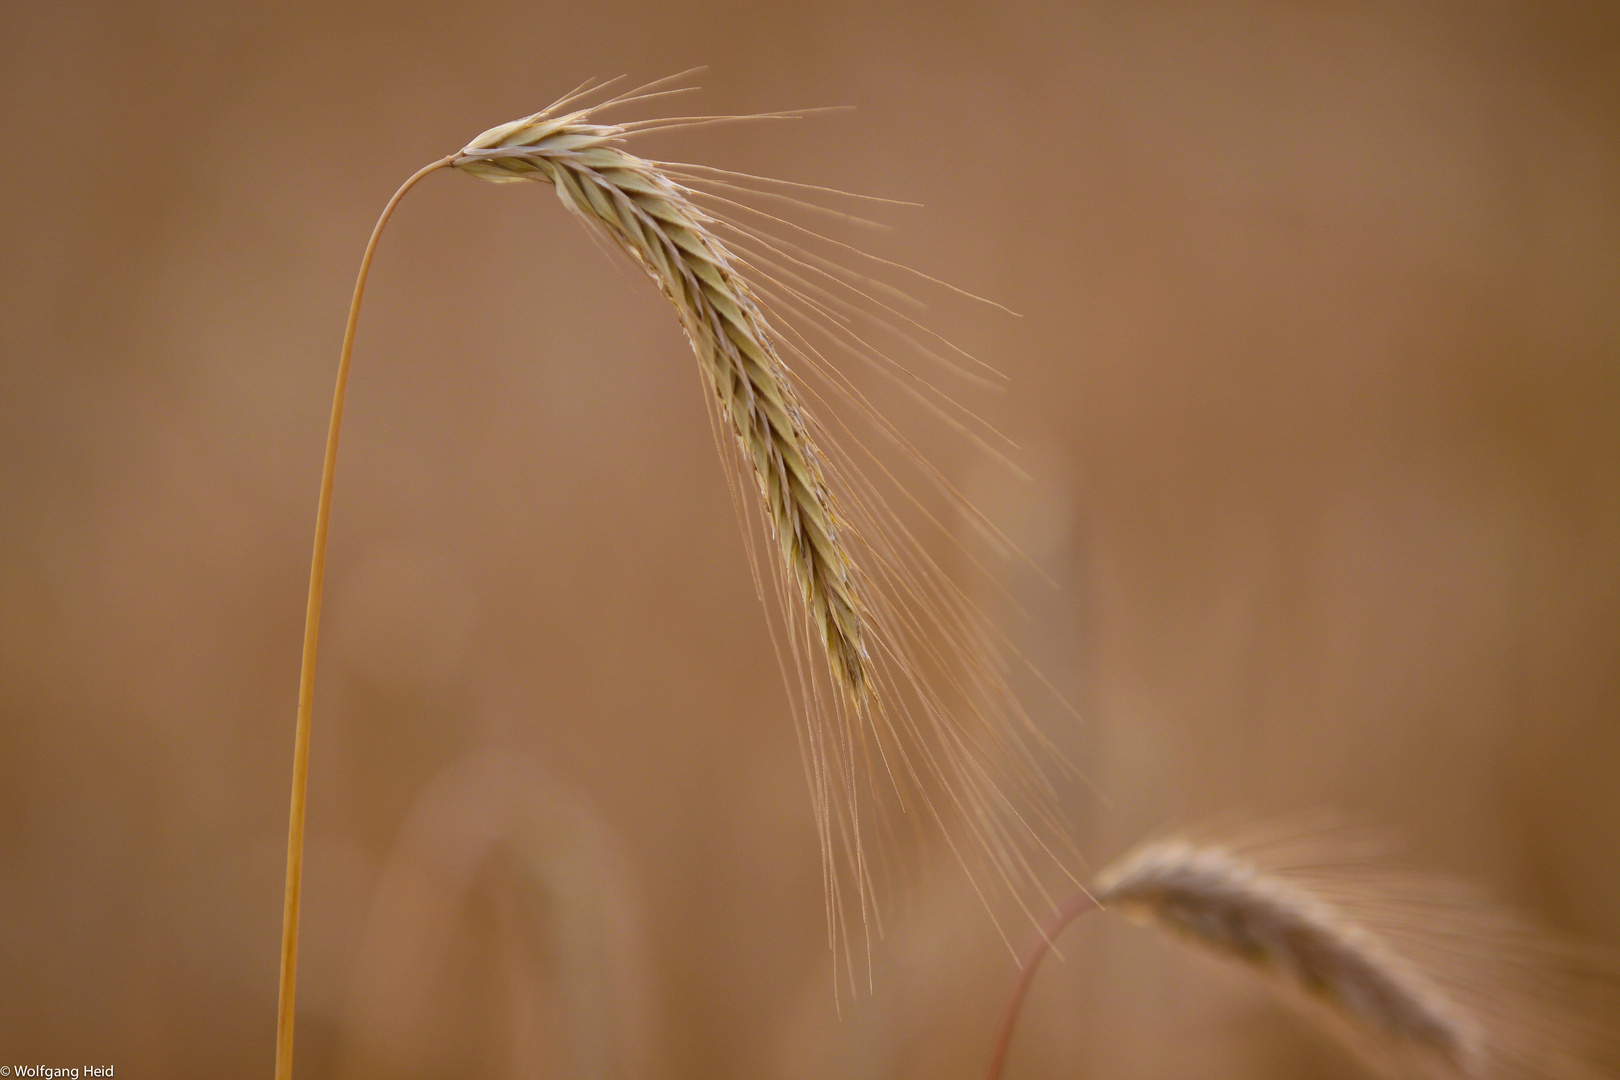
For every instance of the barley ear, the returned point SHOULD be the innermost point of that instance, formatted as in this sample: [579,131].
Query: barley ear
[658,226]
[909,701]
[578,998]
[1418,975]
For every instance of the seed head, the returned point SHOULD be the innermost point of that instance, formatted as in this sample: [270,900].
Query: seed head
[653,220]
[911,706]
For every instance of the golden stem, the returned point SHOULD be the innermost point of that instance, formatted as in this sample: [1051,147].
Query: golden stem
[306,675]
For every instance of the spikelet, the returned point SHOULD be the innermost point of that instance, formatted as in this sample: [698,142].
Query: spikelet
[912,705]
[1418,975]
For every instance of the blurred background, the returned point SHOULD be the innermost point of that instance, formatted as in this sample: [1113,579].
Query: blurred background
[1316,379]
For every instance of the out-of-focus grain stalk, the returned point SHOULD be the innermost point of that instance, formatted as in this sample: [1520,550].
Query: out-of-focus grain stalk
[1029,963]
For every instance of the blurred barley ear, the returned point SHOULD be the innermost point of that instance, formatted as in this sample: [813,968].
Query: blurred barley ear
[1229,903]
[1418,975]
[570,962]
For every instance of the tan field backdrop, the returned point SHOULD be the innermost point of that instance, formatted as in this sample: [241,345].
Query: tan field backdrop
[1316,379]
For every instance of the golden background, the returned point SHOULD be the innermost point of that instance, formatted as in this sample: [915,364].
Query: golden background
[1317,378]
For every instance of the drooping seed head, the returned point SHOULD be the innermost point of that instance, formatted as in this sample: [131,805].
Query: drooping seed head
[912,709]
[1419,975]
[1229,905]
[656,223]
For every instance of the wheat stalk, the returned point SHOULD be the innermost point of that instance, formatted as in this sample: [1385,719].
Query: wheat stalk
[913,702]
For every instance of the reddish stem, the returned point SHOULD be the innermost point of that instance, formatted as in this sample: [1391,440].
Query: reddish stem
[1039,945]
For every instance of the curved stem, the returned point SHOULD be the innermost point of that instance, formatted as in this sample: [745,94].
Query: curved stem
[306,677]
[1039,945]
